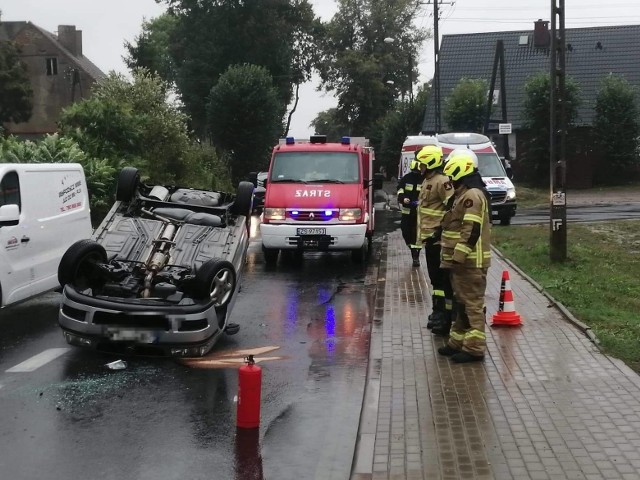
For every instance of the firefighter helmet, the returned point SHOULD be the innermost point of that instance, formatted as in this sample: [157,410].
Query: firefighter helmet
[466,152]
[461,165]
[430,156]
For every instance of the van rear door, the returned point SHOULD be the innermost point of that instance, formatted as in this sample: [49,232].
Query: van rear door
[57,213]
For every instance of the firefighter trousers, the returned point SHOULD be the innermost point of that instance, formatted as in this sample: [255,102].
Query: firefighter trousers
[468,329]
[442,292]
[409,228]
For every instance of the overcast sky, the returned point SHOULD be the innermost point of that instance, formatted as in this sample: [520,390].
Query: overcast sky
[106,25]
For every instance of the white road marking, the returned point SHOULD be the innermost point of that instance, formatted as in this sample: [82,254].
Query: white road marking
[39,360]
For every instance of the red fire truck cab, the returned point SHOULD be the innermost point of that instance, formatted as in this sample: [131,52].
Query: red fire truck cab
[319,196]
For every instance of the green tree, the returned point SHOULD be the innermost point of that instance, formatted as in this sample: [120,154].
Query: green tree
[211,36]
[131,122]
[328,123]
[464,108]
[15,89]
[244,118]
[357,63]
[534,161]
[617,129]
[151,49]
[406,119]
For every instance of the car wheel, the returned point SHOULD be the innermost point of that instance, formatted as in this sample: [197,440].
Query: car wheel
[128,181]
[215,280]
[78,264]
[243,203]
[505,220]
[270,255]
[360,255]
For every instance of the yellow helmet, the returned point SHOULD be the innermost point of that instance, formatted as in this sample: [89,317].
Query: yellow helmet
[413,165]
[466,153]
[430,156]
[461,165]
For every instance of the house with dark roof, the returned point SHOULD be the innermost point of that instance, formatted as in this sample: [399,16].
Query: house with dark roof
[59,73]
[591,53]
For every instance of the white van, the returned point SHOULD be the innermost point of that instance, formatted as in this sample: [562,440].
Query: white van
[44,208]
[499,186]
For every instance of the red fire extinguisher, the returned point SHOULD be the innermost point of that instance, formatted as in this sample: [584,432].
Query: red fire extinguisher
[249,386]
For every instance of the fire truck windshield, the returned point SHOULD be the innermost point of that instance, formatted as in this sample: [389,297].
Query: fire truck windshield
[330,167]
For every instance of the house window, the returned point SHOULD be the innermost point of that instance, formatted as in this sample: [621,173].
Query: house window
[52,66]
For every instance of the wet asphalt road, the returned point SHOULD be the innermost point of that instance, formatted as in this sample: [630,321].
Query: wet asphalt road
[307,321]
[593,213]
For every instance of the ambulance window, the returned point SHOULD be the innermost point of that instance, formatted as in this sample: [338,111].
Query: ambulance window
[10,190]
[490,165]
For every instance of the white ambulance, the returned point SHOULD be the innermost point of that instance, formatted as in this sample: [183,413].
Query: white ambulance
[44,208]
[500,187]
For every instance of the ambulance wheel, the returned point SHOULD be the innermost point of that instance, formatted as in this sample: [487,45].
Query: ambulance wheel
[243,203]
[505,220]
[128,181]
[270,255]
[215,280]
[78,266]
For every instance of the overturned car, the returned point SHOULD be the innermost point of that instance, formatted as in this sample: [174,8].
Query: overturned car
[160,274]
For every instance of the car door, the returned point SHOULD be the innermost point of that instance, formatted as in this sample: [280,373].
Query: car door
[16,264]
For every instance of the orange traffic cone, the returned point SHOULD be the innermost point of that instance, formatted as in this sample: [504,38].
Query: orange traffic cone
[506,314]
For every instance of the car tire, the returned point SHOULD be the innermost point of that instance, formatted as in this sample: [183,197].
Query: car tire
[215,280]
[243,203]
[505,220]
[78,264]
[270,255]
[128,181]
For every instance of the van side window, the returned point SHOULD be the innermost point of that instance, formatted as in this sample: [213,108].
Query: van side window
[10,190]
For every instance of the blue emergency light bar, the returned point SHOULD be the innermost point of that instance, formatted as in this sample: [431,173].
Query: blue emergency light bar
[345,140]
[291,140]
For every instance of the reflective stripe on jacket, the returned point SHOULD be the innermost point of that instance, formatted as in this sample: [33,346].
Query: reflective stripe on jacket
[432,203]
[409,187]
[466,231]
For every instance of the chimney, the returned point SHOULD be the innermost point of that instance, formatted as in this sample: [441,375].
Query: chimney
[541,36]
[71,39]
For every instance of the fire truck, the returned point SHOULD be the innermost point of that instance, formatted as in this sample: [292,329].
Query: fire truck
[319,196]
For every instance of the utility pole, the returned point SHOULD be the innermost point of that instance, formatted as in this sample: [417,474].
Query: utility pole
[558,134]
[436,71]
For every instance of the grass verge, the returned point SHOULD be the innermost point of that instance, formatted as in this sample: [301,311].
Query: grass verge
[599,283]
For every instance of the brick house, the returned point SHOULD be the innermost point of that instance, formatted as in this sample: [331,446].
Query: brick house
[592,53]
[59,73]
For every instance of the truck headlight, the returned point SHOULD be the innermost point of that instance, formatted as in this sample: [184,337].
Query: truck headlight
[511,193]
[350,214]
[273,214]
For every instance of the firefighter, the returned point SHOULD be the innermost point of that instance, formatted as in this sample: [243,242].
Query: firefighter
[408,190]
[435,193]
[466,237]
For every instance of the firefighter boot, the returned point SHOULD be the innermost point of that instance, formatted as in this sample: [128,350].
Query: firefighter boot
[443,326]
[439,305]
[430,320]
[415,255]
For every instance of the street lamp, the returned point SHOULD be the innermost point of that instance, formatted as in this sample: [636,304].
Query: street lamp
[390,40]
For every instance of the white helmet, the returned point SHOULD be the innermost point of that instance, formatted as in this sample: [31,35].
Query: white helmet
[467,152]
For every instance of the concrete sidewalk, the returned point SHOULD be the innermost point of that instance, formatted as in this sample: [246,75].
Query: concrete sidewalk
[545,403]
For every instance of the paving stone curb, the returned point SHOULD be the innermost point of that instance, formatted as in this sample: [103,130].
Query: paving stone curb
[586,329]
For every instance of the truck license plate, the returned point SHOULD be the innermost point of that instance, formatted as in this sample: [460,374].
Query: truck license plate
[311,231]
[131,336]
